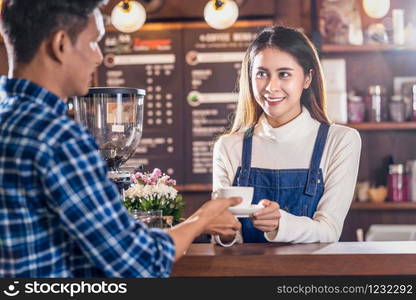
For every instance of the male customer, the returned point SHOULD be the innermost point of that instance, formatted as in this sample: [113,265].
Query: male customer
[60,216]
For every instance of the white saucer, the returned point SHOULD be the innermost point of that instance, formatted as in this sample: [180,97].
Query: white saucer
[245,212]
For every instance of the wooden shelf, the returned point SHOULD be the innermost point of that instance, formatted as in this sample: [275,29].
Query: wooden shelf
[328,48]
[383,126]
[383,206]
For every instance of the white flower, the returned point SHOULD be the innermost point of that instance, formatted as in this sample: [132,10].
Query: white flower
[136,190]
[159,190]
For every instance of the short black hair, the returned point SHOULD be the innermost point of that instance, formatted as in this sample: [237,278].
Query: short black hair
[25,24]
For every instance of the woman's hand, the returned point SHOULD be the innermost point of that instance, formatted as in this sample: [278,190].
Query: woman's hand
[267,219]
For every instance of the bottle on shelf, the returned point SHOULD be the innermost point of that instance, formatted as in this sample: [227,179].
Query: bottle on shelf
[397,183]
[397,109]
[408,91]
[414,102]
[410,34]
[356,109]
[411,179]
[377,104]
[398,26]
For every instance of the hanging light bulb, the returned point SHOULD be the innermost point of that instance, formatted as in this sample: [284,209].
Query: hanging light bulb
[221,14]
[128,16]
[376,8]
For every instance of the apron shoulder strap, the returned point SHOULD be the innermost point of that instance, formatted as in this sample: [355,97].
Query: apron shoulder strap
[316,159]
[242,179]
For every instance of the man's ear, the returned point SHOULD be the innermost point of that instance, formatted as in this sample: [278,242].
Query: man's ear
[308,79]
[60,44]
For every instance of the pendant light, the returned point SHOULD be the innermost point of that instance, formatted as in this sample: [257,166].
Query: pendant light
[376,8]
[221,14]
[128,16]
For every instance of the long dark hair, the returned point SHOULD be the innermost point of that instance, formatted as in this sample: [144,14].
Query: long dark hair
[301,48]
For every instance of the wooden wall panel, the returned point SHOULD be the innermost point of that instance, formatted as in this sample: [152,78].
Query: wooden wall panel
[364,218]
[3,59]
[293,13]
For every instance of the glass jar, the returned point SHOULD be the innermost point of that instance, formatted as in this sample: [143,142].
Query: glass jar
[411,179]
[397,109]
[409,97]
[152,218]
[377,102]
[414,102]
[356,109]
[397,183]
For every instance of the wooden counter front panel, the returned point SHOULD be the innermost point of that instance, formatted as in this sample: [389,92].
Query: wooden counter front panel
[268,260]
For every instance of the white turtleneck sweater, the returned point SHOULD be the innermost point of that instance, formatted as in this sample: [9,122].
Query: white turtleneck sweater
[290,147]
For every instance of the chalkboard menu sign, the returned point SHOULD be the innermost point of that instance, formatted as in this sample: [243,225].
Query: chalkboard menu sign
[212,65]
[151,60]
[189,73]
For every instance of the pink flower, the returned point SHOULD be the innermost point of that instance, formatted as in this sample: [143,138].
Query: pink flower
[157,173]
[164,178]
[138,175]
[171,182]
[133,179]
[152,178]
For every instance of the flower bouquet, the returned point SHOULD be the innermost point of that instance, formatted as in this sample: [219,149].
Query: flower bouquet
[154,191]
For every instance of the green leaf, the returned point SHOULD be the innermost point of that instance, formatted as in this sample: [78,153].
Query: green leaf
[171,207]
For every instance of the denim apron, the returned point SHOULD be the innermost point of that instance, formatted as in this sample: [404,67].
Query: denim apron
[297,191]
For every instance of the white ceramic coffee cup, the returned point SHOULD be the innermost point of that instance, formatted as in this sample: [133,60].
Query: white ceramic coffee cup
[245,192]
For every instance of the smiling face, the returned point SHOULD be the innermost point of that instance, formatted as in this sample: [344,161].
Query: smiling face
[278,82]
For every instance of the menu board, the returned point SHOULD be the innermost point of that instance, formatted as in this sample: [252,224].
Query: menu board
[190,75]
[212,66]
[151,60]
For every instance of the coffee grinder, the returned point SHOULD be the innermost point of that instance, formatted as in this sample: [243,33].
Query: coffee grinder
[114,117]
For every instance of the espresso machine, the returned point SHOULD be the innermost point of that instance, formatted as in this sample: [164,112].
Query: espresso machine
[114,117]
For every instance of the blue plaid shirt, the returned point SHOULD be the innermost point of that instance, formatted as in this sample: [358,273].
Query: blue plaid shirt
[60,216]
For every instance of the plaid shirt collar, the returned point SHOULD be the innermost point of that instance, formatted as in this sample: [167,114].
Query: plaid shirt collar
[33,92]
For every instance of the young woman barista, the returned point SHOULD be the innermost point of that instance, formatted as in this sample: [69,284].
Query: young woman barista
[302,168]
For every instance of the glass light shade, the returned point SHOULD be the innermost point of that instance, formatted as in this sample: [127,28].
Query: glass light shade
[128,20]
[223,17]
[376,8]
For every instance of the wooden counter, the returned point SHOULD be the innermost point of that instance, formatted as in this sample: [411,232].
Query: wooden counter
[336,259]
